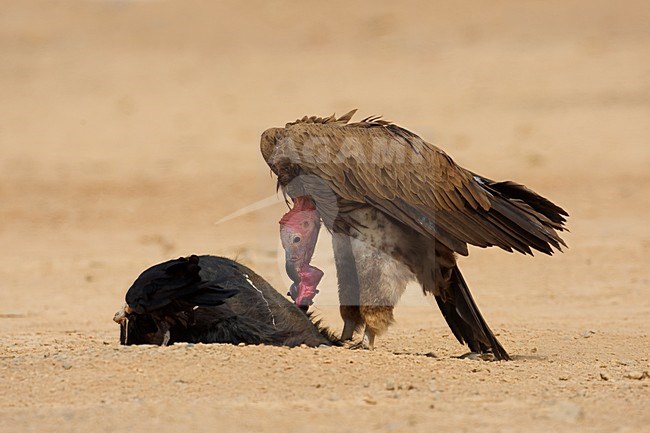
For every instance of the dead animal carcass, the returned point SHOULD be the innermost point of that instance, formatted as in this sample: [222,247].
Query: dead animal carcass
[208,299]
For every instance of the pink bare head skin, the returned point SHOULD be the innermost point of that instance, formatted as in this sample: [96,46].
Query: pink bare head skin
[299,232]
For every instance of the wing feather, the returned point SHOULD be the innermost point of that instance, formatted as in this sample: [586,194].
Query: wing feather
[377,163]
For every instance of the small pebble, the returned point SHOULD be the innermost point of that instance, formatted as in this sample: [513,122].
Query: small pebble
[370,400]
[67,366]
[472,355]
[637,375]
[241,344]
[604,376]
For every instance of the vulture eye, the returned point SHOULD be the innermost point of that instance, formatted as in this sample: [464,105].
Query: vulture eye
[296,239]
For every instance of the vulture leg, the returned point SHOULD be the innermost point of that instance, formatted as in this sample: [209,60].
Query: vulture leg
[382,278]
[346,273]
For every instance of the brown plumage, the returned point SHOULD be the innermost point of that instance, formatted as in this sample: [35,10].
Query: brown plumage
[399,209]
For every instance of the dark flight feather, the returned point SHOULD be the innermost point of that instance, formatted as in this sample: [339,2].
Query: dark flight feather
[465,319]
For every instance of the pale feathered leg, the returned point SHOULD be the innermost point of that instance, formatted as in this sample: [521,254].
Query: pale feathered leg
[346,272]
[382,278]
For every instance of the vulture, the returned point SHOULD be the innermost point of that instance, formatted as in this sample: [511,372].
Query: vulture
[399,209]
[208,299]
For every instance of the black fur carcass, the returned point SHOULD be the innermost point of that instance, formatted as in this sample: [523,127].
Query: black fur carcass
[208,299]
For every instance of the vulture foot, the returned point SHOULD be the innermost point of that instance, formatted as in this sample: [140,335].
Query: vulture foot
[357,346]
[368,341]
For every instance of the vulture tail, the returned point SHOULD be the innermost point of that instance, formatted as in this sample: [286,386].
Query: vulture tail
[465,320]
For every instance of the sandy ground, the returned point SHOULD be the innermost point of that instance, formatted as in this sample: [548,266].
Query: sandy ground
[128,128]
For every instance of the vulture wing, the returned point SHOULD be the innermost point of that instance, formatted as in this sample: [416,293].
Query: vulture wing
[377,163]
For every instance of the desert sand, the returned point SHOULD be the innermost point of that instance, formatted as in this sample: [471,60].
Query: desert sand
[128,129]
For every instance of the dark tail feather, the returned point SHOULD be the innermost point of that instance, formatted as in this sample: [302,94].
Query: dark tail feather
[540,204]
[465,320]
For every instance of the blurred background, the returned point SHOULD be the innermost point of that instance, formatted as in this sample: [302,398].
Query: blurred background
[128,128]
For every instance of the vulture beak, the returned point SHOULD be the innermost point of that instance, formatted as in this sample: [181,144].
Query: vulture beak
[299,232]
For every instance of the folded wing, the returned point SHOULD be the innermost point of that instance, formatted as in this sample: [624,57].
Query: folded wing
[380,164]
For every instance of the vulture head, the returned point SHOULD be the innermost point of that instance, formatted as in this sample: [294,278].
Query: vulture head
[299,232]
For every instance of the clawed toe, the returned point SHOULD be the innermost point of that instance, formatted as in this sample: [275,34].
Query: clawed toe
[357,346]
[363,344]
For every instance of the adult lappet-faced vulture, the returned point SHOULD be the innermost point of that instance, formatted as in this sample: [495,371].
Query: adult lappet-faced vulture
[399,209]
